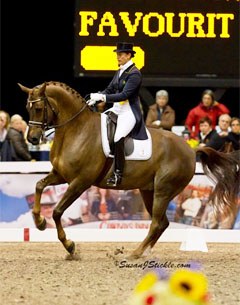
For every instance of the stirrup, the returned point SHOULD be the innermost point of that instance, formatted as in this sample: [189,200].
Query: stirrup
[115,179]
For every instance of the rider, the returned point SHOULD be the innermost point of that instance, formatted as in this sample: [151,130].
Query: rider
[123,91]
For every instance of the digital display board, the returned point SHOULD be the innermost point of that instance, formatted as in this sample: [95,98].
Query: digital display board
[185,38]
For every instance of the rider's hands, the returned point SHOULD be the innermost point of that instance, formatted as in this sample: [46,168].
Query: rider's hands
[95,97]
[157,123]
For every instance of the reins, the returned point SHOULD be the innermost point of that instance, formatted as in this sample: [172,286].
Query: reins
[69,120]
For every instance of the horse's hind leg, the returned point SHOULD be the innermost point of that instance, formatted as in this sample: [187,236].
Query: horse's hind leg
[157,227]
[164,192]
[53,178]
[147,197]
[167,184]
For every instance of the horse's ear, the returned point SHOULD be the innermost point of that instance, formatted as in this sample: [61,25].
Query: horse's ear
[23,88]
[42,88]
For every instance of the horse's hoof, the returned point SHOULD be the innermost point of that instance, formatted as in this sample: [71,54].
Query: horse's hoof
[71,247]
[42,226]
[73,257]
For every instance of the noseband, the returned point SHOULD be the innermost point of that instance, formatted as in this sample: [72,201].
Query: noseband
[44,125]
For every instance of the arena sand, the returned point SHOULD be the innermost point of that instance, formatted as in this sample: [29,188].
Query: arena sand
[39,274]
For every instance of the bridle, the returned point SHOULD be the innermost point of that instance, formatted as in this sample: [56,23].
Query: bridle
[44,125]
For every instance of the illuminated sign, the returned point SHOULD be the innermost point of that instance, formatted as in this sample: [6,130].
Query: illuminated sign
[171,38]
[195,21]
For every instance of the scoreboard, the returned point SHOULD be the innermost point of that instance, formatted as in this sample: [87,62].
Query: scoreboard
[172,38]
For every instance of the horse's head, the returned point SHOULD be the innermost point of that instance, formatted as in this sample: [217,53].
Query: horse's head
[40,112]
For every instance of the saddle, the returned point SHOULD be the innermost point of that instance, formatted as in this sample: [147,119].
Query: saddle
[134,149]
[111,129]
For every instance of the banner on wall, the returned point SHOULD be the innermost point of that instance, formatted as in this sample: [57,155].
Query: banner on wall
[107,209]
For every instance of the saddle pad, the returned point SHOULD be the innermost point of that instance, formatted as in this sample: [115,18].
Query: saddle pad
[142,148]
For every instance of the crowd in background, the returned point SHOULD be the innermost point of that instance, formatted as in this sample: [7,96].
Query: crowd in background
[13,144]
[207,124]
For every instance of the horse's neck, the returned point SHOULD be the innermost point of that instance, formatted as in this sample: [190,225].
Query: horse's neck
[84,120]
[67,109]
[66,103]
[83,131]
[73,116]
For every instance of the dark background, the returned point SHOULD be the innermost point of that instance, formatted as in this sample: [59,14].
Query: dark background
[37,45]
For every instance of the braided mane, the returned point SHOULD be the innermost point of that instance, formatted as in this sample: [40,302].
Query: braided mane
[64,86]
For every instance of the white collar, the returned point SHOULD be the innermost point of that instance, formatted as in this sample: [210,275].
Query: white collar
[203,136]
[126,65]
[3,135]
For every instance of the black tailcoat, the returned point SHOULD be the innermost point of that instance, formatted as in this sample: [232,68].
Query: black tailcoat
[126,87]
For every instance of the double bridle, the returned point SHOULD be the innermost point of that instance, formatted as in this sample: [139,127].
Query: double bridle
[44,124]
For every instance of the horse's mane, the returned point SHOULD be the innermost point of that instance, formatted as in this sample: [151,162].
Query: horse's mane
[65,87]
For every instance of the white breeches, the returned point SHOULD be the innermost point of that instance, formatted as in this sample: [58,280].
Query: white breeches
[126,119]
[125,124]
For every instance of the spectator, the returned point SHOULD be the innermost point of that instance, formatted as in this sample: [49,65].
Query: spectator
[206,132]
[223,127]
[233,137]
[191,207]
[24,129]
[103,205]
[219,140]
[7,152]
[207,107]
[160,114]
[17,137]
[4,124]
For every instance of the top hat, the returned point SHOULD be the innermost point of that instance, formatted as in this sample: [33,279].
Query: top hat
[124,47]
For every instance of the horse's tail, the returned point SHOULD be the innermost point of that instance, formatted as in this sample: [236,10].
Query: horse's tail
[223,169]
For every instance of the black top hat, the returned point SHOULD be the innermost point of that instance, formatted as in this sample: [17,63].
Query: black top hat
[124,47]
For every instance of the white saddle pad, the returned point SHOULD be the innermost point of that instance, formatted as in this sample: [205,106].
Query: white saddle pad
[142,148]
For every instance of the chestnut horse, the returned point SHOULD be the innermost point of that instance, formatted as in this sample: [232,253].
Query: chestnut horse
[77,159]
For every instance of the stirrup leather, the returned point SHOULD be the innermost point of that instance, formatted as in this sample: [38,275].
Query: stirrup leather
[115,179]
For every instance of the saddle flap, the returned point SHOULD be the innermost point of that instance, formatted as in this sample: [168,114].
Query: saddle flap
[134,149]
[128,146]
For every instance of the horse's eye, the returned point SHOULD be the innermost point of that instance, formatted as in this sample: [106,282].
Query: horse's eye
[38,109]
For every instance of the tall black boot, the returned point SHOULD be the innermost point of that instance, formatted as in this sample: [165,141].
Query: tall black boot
[119,160]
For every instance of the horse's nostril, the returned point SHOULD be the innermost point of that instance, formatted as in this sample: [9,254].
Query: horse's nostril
[34,140]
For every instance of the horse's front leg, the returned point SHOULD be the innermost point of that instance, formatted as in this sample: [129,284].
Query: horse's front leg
[74,190]
[53,178]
